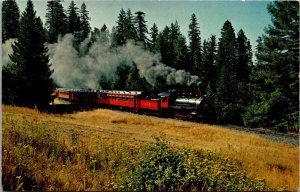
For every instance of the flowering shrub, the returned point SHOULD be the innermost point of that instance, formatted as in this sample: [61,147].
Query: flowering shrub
[164,168]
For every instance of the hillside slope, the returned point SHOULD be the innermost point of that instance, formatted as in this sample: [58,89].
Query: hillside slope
[274,162]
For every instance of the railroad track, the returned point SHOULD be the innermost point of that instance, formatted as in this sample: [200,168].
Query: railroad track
[288,138]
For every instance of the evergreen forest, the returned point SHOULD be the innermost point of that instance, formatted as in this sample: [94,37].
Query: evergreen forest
[248,86]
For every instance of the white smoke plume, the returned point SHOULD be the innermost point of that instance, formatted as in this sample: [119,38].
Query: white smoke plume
[7,50]
[74,71]
[150,67]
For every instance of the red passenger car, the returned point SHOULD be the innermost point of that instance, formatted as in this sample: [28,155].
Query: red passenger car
[134,100]
[118,98]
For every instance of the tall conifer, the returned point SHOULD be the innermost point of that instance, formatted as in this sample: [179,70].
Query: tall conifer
[208,76]
[276,83]
[10,20]
[195,45]
[130,32]
[33,74]
[154,37]
[104,35]
[73,19]
[244,65]
[141,27]
[55,20]
[226,92]
[120,31]
[84,21]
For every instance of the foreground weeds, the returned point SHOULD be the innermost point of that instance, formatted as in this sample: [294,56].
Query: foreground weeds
[161,167]
[36,157]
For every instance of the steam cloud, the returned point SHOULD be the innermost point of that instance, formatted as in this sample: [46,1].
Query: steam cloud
[73,70]
[7,50]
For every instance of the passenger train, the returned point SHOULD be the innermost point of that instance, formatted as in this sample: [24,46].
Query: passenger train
[172,103]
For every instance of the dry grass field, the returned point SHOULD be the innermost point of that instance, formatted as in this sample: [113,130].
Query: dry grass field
[275,163]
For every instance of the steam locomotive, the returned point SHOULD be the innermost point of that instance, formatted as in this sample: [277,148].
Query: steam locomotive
[172,103]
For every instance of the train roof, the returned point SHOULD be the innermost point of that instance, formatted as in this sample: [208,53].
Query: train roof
[103,91]
[167,93]
[121,92]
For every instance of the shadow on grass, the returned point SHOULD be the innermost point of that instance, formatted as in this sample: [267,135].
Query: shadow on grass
[70,108]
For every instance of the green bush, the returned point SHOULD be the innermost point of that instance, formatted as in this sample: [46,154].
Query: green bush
[230,114]
[293,122]
[164,168]
[256,115]
[272,113]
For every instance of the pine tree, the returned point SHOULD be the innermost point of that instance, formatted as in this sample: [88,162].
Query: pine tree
[130,31]
[211,62]
[244,65]
[9,84]
[104,34]
[208,77]
[34,83]
[172,46]
[165,45]
[141,27]
[154,37]
[113,37]
[73,19]
[203,68]
[95,35]
[134,81]
[183,57]
[178,47]
[84,21]
[55,20]
[228,110]
[120,36]
[10,20]
[275,76]
[195,45]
